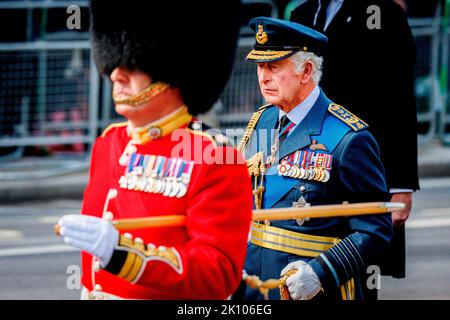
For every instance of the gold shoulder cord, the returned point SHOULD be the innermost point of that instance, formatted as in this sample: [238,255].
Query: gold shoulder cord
[255,165]
[251,125]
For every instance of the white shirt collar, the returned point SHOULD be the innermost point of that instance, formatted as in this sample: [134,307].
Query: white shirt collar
[297,114]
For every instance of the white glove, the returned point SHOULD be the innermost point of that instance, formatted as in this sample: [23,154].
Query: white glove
[91,234]
[304,284]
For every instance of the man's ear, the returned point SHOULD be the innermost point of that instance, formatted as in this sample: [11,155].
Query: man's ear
[308,69]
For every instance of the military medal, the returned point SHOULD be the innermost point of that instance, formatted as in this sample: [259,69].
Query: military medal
[303,172]
[127,152]
[170,179]
[182,191]
[297,172]
[137,172]
[326,177]
[306,165]
[132,180]
[321,174]
[160,184]
[319,163]
[291,171]
[185,178]
[327,167]
[175,182]
[175,188]
[148,167]
[123,180]
[282,169]
[156,174]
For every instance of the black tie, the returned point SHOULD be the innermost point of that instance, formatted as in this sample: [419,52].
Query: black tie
[322,16]
[284,121]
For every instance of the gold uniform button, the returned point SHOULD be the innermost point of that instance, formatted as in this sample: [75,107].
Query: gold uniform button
[302,188]
[267,222]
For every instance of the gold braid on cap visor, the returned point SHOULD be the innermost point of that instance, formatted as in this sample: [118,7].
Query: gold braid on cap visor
[144,96]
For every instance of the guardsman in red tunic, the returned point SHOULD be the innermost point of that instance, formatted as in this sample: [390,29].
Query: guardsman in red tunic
[163,160]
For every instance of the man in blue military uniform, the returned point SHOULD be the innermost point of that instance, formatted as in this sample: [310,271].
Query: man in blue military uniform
[303,150]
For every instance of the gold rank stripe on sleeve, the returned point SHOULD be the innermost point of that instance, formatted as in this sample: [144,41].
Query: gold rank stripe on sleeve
[128,265]
[346,116]
[348,290]
[138,255]
[301,244]
[135,270]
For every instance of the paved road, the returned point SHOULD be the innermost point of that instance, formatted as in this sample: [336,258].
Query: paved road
[34,263]
[428,247]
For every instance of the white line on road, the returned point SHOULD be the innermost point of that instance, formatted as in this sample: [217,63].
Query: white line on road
[428,223]
[48,219]
[431,212]
[24,251]
[8,235]
[430,183]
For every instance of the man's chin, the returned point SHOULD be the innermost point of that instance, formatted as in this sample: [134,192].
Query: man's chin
[271,100]
[125,109]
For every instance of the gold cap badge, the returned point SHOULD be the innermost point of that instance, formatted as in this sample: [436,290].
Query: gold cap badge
[261,35]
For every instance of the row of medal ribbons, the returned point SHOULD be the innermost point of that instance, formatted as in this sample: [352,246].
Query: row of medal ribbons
[304,164]
[157,174]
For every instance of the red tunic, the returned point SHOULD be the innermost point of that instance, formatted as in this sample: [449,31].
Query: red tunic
[218,203]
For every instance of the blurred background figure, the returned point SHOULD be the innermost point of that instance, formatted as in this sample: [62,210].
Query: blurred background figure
[369,68]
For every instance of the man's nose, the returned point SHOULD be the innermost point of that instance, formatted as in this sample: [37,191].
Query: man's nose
[119,75]
[263,75]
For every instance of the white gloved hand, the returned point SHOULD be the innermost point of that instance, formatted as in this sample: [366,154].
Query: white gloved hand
[304,284]
[91,234]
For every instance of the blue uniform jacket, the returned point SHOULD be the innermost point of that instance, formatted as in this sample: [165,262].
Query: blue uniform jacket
[357,175]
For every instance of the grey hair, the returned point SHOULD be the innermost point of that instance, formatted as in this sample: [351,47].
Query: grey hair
[299,58]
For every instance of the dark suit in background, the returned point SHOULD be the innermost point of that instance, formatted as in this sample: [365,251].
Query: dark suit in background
[371,72]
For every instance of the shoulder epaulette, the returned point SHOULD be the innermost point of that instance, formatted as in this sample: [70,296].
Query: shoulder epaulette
[264,107]
[346,116]
[111,126]
[213,134]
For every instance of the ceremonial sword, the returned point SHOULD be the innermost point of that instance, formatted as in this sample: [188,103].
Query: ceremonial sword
[320,211]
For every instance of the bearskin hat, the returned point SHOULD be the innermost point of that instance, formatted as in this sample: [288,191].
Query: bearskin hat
[189,44]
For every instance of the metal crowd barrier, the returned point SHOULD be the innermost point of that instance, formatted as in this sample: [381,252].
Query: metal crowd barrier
[47,84]
[50,92]
[46,91]
[241,96]
[426,34]
[444,130]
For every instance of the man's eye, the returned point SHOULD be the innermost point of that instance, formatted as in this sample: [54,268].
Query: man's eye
[275,66]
